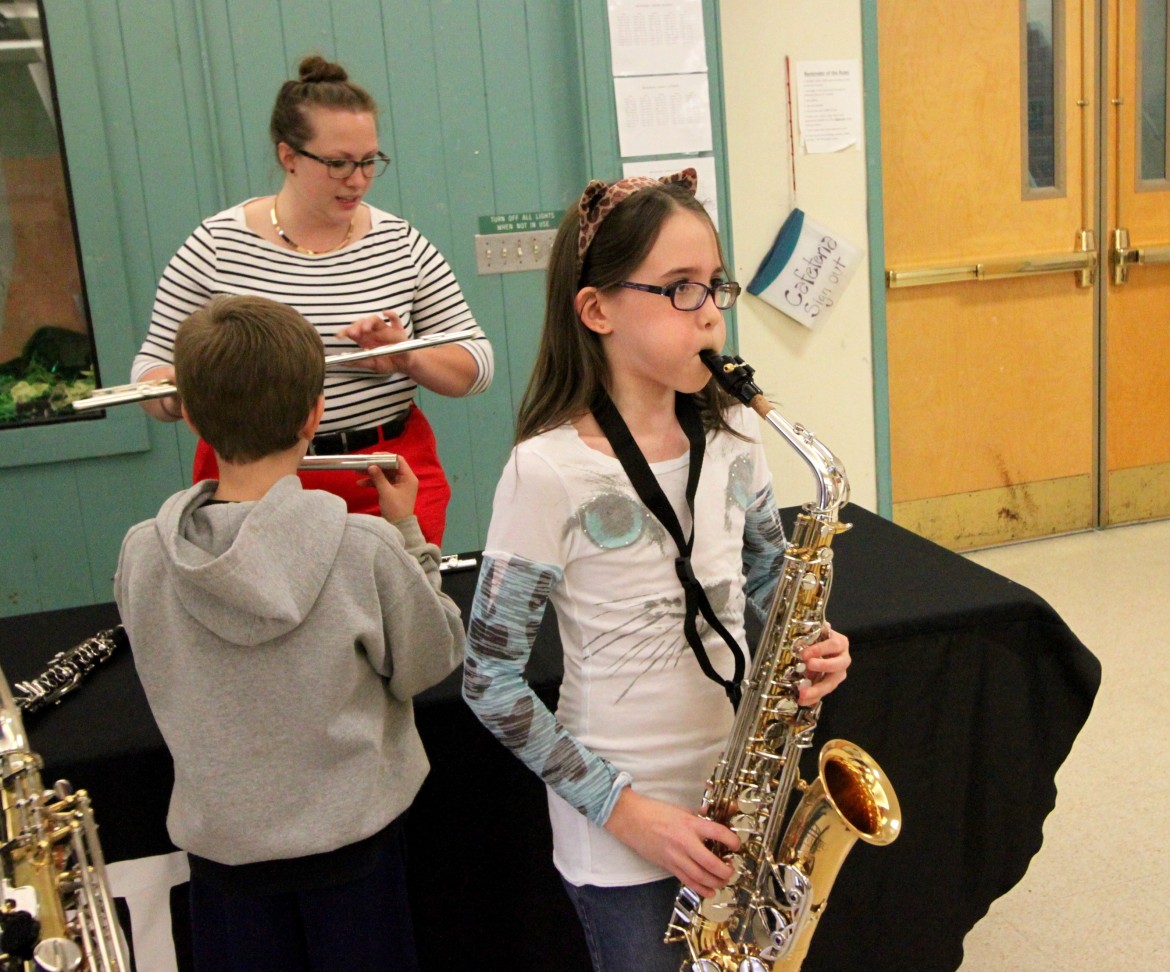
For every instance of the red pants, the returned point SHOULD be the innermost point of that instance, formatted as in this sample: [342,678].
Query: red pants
[416,443]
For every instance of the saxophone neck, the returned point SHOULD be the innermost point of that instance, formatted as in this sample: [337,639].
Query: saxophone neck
[827,469]
[735,376]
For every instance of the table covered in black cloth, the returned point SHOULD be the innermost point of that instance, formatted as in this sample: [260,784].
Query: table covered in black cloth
[966,687]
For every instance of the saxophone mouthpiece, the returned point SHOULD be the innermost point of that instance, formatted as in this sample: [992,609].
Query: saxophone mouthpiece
[734,374]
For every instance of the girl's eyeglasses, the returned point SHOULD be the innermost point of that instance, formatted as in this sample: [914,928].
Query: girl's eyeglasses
[690,295]
[344,168]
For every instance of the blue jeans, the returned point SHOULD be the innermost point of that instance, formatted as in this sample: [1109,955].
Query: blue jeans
[624,926]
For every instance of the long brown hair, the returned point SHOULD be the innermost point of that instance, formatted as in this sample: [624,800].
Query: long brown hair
[570,363]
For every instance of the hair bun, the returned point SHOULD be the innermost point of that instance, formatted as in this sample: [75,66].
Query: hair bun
[315,68]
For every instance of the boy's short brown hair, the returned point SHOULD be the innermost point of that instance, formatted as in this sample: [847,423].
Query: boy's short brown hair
[249,371]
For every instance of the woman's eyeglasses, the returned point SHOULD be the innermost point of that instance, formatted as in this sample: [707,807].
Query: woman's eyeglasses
[344,168]
[689,295]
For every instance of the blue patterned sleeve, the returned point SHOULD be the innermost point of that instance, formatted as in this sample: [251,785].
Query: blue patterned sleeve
[763,549]
[505,616]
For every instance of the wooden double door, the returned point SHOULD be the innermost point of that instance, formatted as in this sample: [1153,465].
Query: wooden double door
[1026,185]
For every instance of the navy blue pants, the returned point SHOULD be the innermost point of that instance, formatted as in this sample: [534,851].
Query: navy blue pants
[361,926]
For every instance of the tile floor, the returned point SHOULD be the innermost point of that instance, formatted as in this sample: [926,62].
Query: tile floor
[1097,895]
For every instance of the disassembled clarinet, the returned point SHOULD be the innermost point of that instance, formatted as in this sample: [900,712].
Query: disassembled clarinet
[67,669]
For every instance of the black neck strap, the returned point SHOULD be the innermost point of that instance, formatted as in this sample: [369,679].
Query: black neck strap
[650,493]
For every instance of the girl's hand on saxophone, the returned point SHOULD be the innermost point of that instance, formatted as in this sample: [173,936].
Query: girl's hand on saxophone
[827,663]
[673,838]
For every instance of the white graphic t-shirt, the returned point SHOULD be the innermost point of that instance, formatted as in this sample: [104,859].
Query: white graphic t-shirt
[635,707]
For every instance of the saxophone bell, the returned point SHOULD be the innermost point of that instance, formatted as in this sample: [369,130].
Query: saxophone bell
[849,800]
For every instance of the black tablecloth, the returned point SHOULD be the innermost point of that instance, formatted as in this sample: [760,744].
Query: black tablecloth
[966,687]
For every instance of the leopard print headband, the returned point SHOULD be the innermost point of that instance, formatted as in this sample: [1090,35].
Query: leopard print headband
[599,200]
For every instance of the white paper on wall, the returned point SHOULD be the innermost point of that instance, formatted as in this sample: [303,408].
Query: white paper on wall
[829,98]
[656,37]
[663,114]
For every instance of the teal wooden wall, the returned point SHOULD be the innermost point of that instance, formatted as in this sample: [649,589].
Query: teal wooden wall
[487,107]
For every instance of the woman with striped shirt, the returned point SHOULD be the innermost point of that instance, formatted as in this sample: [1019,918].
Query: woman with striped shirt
[358,274]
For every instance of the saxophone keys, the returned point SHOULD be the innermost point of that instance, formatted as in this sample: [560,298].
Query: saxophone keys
[787,707]
[720,907]
[748,801]
[58,955]
[686,905]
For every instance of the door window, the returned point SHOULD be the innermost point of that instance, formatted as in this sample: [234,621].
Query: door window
[1151,147]
[1043,117]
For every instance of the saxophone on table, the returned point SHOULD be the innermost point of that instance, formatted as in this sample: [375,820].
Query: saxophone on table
[764,919]
[56,910]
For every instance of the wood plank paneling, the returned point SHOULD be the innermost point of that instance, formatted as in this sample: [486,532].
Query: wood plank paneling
[243,76]
[485,108]
[538,139]
[44,526]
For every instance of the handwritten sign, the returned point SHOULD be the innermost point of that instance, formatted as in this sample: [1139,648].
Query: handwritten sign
[806,270]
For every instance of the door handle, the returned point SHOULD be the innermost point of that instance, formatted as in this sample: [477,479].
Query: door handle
[1124,256]
[999,268]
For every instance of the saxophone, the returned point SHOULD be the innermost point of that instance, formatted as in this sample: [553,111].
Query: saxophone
[763,920]
[56,910]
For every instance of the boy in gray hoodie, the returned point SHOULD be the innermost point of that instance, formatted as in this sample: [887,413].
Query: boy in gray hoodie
[280,641]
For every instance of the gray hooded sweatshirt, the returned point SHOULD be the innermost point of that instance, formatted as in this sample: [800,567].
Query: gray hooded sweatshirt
[280,643]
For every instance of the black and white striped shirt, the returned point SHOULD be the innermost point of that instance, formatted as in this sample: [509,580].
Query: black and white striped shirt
[393,267]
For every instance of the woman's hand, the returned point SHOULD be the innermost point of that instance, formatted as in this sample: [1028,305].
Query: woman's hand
[169,409]
[396,495]
[447,369]
[376,331]
[826,663]
[674,839]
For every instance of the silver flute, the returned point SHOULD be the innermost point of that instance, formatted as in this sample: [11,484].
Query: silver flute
[386,461]
[145,390]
